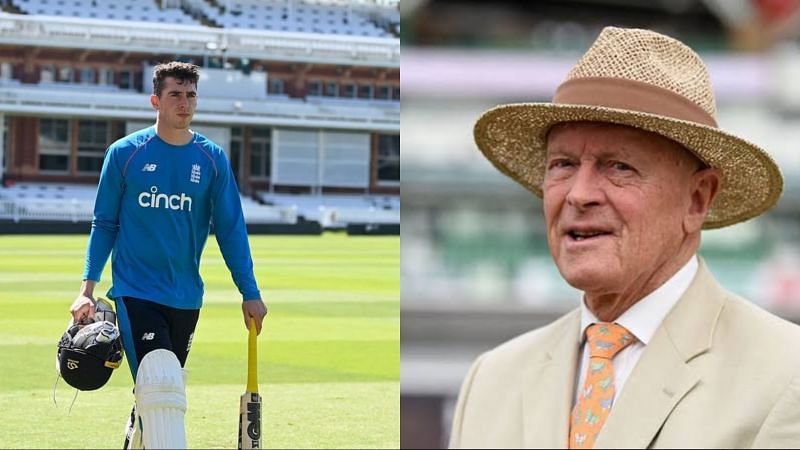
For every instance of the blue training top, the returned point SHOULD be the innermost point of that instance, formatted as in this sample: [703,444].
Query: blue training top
[154,205]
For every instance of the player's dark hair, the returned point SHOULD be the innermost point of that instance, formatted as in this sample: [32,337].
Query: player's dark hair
[182,72]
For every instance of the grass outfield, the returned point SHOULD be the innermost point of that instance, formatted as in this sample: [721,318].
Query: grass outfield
[329,356]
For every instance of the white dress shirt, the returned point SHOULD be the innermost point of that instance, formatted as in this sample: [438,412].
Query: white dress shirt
[642,320]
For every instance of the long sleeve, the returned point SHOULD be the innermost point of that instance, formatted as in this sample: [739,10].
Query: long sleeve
[231,232]
[105,223]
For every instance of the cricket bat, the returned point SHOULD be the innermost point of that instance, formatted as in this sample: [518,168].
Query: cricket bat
[250,403]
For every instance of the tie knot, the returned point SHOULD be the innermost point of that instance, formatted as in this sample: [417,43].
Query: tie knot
[607,339]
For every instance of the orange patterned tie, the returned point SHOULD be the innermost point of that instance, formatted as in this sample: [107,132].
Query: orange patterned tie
[595,399]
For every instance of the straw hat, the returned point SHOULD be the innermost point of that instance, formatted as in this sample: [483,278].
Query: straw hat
[645,80]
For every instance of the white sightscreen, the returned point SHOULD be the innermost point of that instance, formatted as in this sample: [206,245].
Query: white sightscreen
[295,156]
[320,158]
[345,159]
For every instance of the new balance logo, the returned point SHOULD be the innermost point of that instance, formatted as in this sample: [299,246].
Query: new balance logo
[148,336]
[149,168]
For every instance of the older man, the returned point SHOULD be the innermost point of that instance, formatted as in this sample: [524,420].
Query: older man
[631,167]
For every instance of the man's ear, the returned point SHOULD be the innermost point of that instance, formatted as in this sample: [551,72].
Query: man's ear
[154,101]
[705,186]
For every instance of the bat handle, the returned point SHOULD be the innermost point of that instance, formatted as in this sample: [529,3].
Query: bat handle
[252,358]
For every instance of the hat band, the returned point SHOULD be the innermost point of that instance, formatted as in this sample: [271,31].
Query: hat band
[620,93]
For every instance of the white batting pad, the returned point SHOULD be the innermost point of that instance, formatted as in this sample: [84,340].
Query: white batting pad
[161,400]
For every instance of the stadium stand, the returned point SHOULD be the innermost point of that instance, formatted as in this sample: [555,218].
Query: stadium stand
[338,211]
[130,10]
[290,16]
[47,201]
[74,203]
[286,16]
[303,95]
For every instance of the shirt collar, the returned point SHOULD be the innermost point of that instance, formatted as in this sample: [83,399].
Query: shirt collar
[644,317]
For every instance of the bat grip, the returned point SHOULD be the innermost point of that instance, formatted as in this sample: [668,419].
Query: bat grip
[252,358]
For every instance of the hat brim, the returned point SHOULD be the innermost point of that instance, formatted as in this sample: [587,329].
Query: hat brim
[514,138]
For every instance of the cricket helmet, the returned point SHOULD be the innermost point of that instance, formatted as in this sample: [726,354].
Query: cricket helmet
[88,354]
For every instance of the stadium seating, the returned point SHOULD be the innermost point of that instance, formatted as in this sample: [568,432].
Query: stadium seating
[256,213]
[47,201]
[117,10]
[52,191]
[293,16]
[282,29]
[47,97]
[337,211]
[75,203]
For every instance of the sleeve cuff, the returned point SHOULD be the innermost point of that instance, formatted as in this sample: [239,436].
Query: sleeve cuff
[88,276]
[251,296]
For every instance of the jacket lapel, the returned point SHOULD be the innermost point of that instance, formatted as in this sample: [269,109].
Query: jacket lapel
[548,392]
[657,384]
[663,375]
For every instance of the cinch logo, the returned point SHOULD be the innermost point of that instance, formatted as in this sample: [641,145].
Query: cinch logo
[154,200]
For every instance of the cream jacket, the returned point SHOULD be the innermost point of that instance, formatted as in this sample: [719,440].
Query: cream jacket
[719,373]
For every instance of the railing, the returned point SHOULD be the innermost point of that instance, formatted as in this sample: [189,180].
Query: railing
[335,217]
[77,210]
[32,99]
[70,32]
[73,210]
